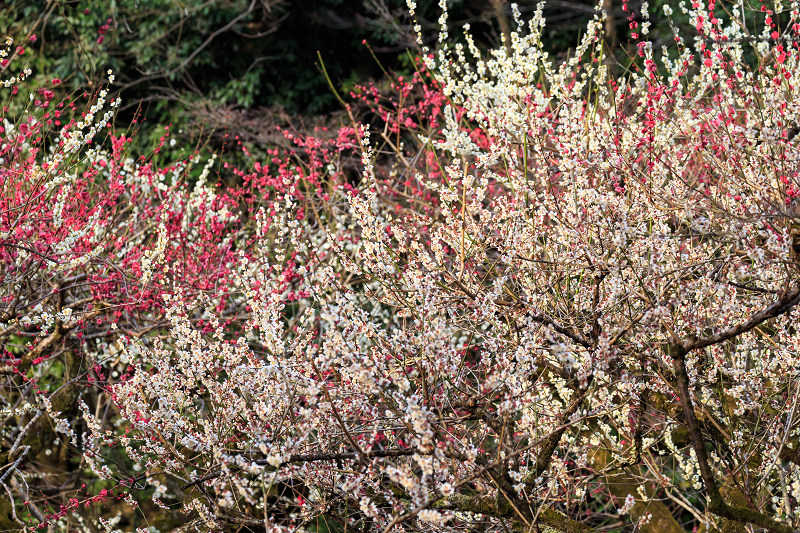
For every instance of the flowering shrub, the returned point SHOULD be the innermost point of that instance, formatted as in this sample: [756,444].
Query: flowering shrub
[574,315]
[93,245]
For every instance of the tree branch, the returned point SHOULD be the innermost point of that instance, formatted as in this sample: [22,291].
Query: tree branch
[315,457]
[716,504]
[782,305]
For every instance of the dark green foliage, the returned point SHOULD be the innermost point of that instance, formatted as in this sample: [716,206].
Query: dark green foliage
[191,62]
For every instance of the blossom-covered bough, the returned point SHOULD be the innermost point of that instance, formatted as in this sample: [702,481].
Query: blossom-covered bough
[94,247]
[583,318]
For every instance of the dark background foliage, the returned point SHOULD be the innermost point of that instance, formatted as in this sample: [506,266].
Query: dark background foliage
[229,72]
[182,59]
[190,62]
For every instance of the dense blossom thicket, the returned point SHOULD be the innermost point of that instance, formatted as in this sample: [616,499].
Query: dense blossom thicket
[526,297]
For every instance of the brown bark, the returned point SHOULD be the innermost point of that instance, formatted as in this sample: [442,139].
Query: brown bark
[499,7]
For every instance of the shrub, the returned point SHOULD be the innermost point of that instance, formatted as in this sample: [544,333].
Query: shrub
[579,319]
[93,244]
